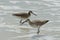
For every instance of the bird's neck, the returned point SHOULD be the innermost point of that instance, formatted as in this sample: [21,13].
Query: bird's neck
[29,22]
[29,13]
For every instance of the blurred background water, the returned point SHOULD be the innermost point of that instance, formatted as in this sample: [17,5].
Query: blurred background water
[10,28]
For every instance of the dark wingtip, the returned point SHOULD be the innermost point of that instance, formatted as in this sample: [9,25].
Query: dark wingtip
[47,21]
[13,14]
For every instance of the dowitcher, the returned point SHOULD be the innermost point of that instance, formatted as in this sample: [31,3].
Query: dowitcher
[36,23]
[24,15]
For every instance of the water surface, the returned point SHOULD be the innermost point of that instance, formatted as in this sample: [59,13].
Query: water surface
[10,28]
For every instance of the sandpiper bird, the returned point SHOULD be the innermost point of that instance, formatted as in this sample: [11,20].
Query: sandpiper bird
[36,23]
[24,15]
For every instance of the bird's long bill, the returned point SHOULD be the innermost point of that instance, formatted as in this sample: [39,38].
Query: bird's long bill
[34,14]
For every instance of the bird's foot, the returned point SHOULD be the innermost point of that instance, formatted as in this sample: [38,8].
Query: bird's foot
[20,21]
[38,32]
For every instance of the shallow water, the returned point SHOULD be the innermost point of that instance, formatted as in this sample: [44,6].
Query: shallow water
[10,28]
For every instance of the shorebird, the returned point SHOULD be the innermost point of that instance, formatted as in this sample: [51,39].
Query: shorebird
[36,23]
[24,15]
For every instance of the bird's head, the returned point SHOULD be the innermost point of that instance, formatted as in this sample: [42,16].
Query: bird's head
[30,12]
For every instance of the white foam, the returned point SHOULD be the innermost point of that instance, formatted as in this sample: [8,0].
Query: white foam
[48,0]
[28,2]
[55,21]
[14,2]
[51,29]
[52,14]
[48,38]
[29,35]
[9,7]
[1,19]
[13,26]
[17,31]
[55,14]
[55,2]
[35,36]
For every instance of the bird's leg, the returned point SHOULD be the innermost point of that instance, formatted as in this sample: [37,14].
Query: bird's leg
[38,30]
[21,21]
[24,21]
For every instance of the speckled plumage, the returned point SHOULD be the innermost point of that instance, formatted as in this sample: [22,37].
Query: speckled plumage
[36,23]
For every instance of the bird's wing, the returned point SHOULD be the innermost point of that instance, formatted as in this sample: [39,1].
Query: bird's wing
[20,14]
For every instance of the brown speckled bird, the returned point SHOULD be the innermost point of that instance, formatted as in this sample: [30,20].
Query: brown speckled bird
[36,23]
[24,15]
